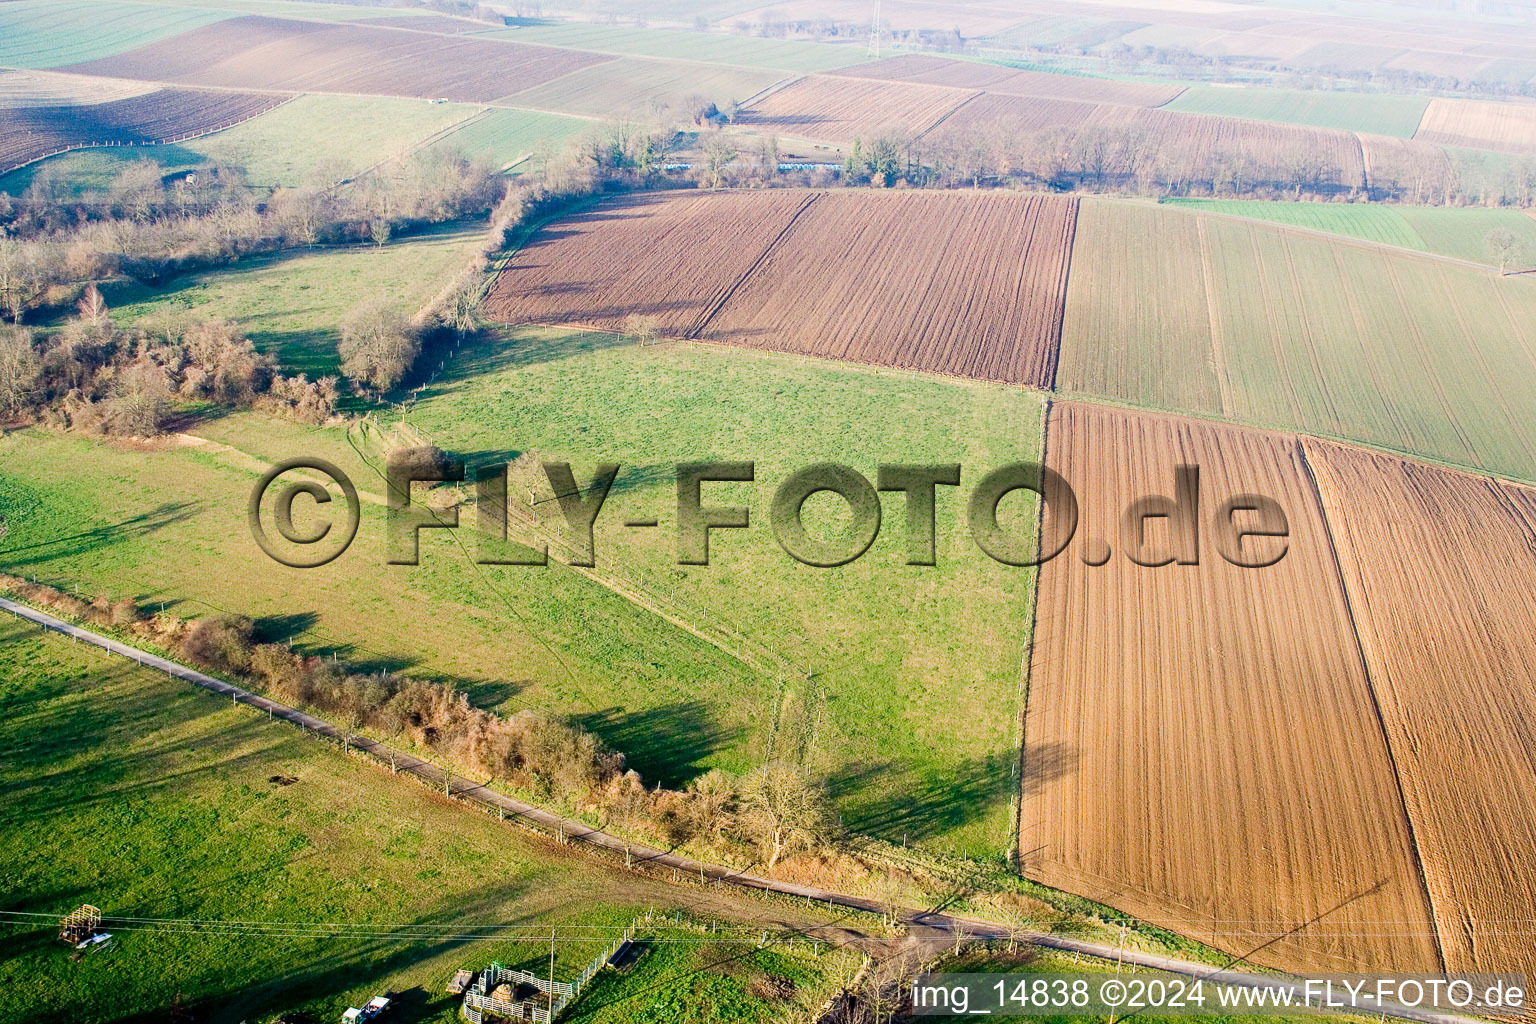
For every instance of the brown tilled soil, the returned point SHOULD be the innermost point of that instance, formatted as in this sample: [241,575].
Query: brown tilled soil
[841,109]
[1480,124]
[672,256]
[1439,568]
[1202,749]
[970,284]
[28,133]
[965,74]
[301,56]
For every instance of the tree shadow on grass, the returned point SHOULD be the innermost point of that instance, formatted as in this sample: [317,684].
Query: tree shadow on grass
[667,744]
[510,348]
[89,541]
[899,803]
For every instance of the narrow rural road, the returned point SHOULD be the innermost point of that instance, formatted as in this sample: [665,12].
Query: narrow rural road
[574,831]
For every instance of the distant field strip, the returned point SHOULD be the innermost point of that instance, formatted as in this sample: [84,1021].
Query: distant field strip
[1480,124]
[1394,350]
[28,133]
[1379,113]
[994,78]
[715,47]
[841,109]
[1200,745]
[1459,232]
[1203,138]
[1437,566]
[634,86]
[52,33]
[274,53]
[509,135]
[965,284]
[51,89]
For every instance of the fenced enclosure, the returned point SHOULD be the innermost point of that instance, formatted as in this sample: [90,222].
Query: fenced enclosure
[479,999]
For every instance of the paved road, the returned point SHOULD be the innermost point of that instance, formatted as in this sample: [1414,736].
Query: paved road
[575,831]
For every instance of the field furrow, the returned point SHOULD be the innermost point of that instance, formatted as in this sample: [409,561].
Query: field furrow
[1212,760]
[1437,565]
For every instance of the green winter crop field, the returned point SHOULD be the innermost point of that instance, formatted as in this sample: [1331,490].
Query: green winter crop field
[1250,322]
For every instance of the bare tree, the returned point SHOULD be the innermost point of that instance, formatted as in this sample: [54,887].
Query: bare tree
[718,154]
[1504,248]
[378,344]
[19,368]
[784,812]
[645,326]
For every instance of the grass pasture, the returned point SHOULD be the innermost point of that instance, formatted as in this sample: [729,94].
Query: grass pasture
[632,86]
[716,48]
[110,771]
[341,135]
[292,303]
[1447,231]
[50,34]
[914,698]
[1378,113]
[507,136]
[1395,350]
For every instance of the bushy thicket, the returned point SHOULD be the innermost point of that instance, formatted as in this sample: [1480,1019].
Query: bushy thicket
[92,375]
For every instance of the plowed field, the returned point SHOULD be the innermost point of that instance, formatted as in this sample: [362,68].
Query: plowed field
[27,133]
[958,283]
[303,56]
[1510,127]
[1437,565]
[842,109]
[1204,752]
[669,256]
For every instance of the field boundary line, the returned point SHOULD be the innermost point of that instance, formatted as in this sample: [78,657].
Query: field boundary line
[638,855]
[976,94]
[701,321]
[1213,317]
[1027,658]
[1370,687]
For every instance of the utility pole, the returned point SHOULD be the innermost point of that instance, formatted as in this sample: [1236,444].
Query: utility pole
[874,33]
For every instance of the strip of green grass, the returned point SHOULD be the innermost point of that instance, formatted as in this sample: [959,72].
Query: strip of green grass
[1461,232]
[152,799]
[1378,113]
[1298,332]
[1373,223]
[507,136]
